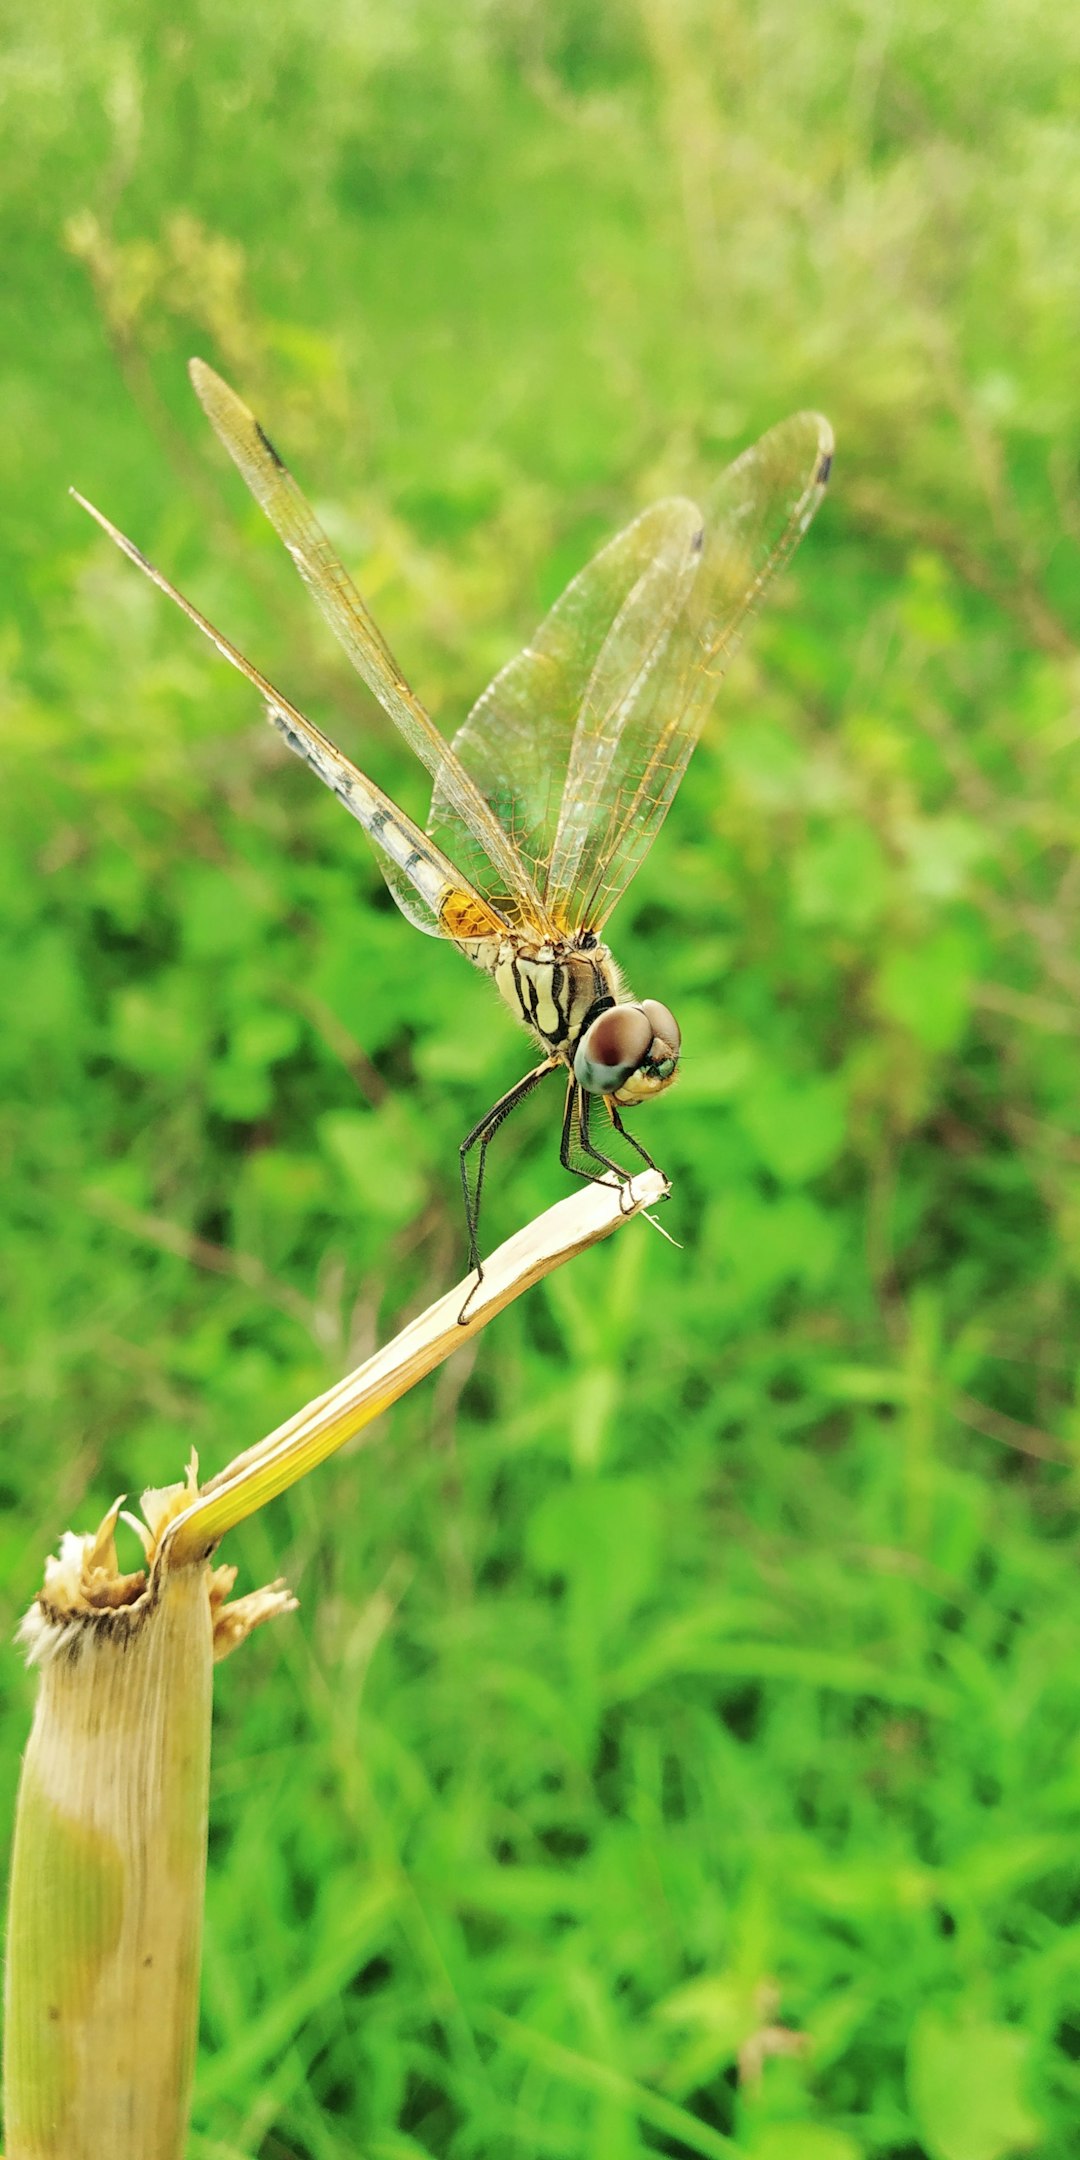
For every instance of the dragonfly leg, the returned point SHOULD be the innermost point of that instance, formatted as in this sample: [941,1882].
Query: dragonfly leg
[631,1138]
[577,1153]
[472,1179]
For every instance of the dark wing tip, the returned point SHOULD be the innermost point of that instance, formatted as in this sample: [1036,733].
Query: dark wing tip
[826,448]
[268,446]
[228,415]
[802,445]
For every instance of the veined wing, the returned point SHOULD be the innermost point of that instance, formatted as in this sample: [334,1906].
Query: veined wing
[340,604]
[427,887]
[627,760]
[594,652]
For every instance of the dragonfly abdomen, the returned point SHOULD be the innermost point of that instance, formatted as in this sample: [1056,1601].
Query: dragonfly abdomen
[388,827]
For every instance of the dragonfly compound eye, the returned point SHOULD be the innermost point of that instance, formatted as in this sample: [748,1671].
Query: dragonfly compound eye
[665,1029]
[612,1049]
[656,1067]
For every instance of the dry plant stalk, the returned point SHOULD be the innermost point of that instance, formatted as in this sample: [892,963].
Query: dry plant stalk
[108,1862]
[109,1857]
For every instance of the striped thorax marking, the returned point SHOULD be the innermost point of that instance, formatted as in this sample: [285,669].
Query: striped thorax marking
[552,988]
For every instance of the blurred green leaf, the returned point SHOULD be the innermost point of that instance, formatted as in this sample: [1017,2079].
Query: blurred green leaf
[604,1537]
[841,878]
[803,2141]
[161,1030]
[927,988]
[240,1083]
[797,1129]
[941,852]
[374,1151]
[967,2082]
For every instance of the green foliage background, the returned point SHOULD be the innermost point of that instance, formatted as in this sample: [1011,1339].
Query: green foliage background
[677,1749]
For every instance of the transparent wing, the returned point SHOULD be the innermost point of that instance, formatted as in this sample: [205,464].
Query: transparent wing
[629,754]
[338,601]
[582,667]
[428,888]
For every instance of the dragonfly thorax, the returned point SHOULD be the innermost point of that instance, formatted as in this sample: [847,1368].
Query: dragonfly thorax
[555,987]
[572,998]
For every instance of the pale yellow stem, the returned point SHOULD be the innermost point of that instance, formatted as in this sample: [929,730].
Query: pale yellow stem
[315,1432]
[107,1881]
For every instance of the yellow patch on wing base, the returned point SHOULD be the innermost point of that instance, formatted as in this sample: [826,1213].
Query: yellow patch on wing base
[462,916]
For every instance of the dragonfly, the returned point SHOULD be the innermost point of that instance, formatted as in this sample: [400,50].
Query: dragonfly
[550,794]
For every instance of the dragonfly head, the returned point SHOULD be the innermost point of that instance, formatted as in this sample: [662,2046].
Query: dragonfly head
[630,1052]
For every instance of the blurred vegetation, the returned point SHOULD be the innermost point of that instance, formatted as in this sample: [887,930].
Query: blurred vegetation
[677,1750]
